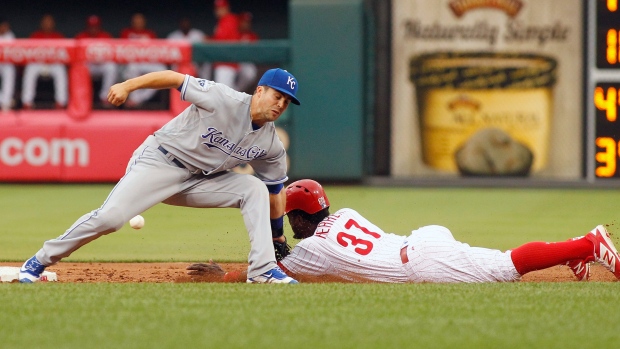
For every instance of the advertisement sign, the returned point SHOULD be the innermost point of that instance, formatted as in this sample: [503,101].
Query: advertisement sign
[487,88]
[22,51]
[48,146]
[128,51]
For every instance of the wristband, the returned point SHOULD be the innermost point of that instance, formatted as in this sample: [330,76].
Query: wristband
[277,227]
[275,188]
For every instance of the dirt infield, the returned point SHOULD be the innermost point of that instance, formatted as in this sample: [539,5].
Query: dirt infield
[175,272]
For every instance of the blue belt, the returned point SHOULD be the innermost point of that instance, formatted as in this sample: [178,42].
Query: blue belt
[174,160]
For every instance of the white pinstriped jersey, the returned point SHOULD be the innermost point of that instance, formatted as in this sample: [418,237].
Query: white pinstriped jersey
[347,245]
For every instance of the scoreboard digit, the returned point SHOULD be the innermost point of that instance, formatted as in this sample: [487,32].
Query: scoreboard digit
[603,90]
[607,129]
[607,34]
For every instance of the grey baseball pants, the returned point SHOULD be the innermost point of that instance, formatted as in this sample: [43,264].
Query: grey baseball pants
[153,177]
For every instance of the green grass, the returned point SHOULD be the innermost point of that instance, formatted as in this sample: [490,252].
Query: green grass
[569,315]
[497,218]
[516,315]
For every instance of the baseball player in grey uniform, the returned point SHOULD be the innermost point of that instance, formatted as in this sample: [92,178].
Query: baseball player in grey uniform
[187,163]
[345,245]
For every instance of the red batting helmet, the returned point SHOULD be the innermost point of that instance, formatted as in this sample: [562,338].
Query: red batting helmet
[306,195]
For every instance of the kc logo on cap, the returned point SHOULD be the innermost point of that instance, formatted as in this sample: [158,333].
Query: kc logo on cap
[291,82]
[281,80]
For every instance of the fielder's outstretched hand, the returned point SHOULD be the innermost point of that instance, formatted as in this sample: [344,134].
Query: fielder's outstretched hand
[205,269]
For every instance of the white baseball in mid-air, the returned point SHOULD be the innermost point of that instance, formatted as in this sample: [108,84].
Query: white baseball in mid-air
[137,222]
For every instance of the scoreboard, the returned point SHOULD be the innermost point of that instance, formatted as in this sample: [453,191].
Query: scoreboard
[602,90]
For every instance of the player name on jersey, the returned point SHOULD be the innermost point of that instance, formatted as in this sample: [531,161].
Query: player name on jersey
[324,227]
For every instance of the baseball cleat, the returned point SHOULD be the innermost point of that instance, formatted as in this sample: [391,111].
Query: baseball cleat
[580,269]
[31,270]
[604,250]
[273,276]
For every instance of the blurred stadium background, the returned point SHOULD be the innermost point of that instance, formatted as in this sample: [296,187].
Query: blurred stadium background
[400,92]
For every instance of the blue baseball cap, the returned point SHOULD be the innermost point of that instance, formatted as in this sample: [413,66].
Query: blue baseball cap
[281,80]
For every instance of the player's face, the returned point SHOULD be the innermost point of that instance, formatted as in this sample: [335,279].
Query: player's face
[221,11]
[185,25]
[47,23]
[138,21]
[244,26]
[268,104]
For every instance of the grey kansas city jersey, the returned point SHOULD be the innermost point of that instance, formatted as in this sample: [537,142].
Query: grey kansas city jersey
[215,133]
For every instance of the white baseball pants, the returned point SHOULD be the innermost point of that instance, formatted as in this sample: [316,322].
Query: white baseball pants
[247,74]
[108,72]
[7,74]
[31,73]
[225,75]
[435,256]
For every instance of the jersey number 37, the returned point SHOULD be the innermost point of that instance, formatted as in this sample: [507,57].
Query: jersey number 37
[363,245]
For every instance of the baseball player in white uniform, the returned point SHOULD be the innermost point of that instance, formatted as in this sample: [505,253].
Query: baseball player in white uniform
[347,246]
[187,163]
[7,70]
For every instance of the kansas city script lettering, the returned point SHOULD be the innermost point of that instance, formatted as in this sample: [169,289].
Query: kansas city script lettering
[215,139]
